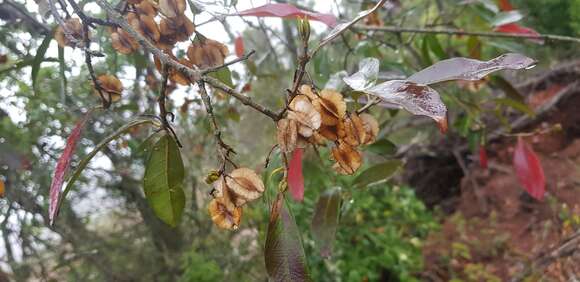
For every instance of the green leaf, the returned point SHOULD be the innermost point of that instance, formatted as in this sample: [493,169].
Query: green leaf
[383,147]
[507,88]
[163,181]
[515,105]
[435,46]
[224,76]
[377,173]
[284,252]
[39,58]
[85,161]
[425,53]
[325,220]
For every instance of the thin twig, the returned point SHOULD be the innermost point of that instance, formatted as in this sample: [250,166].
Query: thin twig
[194,75]
[397,29]
[161,101]
[223,149]
[226,64]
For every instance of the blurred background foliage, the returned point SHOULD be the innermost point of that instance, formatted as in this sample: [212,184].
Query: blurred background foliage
[106,230]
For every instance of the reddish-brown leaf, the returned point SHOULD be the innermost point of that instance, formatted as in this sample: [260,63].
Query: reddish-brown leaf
[63,166]
[284,253]
[505,5]
[295,177]
[239,46]
[518,29]
[529,170]
[280,10]
[482,157]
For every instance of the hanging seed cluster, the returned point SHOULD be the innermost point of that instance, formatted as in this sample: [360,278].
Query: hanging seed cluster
[320,117]
[231,192]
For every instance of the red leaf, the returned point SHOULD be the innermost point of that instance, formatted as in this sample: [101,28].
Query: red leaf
[482,157]
[529,170]
[295,177]
[62,167]
[280,10]
[505,5]
[239,46]
[518,29]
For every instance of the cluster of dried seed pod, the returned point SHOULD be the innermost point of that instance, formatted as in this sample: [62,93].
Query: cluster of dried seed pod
[315,117]
[231,192]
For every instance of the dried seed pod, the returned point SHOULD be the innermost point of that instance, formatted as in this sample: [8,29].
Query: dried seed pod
[307,90]
[244,185]
[348,160]
[172,8]
[302,111]
[145,7]
[177,76]
[317,139]
[331,106]
[355,131]
[223,217]
[287,135]
[123,42]
[332,132]
[179,29]
[206,53]
[74,28]
[372,128]
[110,86]
[145,25]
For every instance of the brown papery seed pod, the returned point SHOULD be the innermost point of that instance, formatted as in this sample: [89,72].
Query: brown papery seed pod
[172,8]
[302,111]
[206,53]
[244,186]
[287,135]
[145,25]
[372,128]
[146,7]
[355,132]
[75,30]
[332,132]
[123,42]
[331,106]
[177,76]
[179,30]
[348,160]
[308,92]
[110,85]
[222,217]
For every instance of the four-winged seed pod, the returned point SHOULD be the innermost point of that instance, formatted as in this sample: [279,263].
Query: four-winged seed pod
[231,192]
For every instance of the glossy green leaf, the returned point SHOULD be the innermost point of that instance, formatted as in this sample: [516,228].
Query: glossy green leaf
[325,220]
[383,147]
[38,59]
[426,56]
[284,252]
[224,75]
[377,173]
[163,181]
